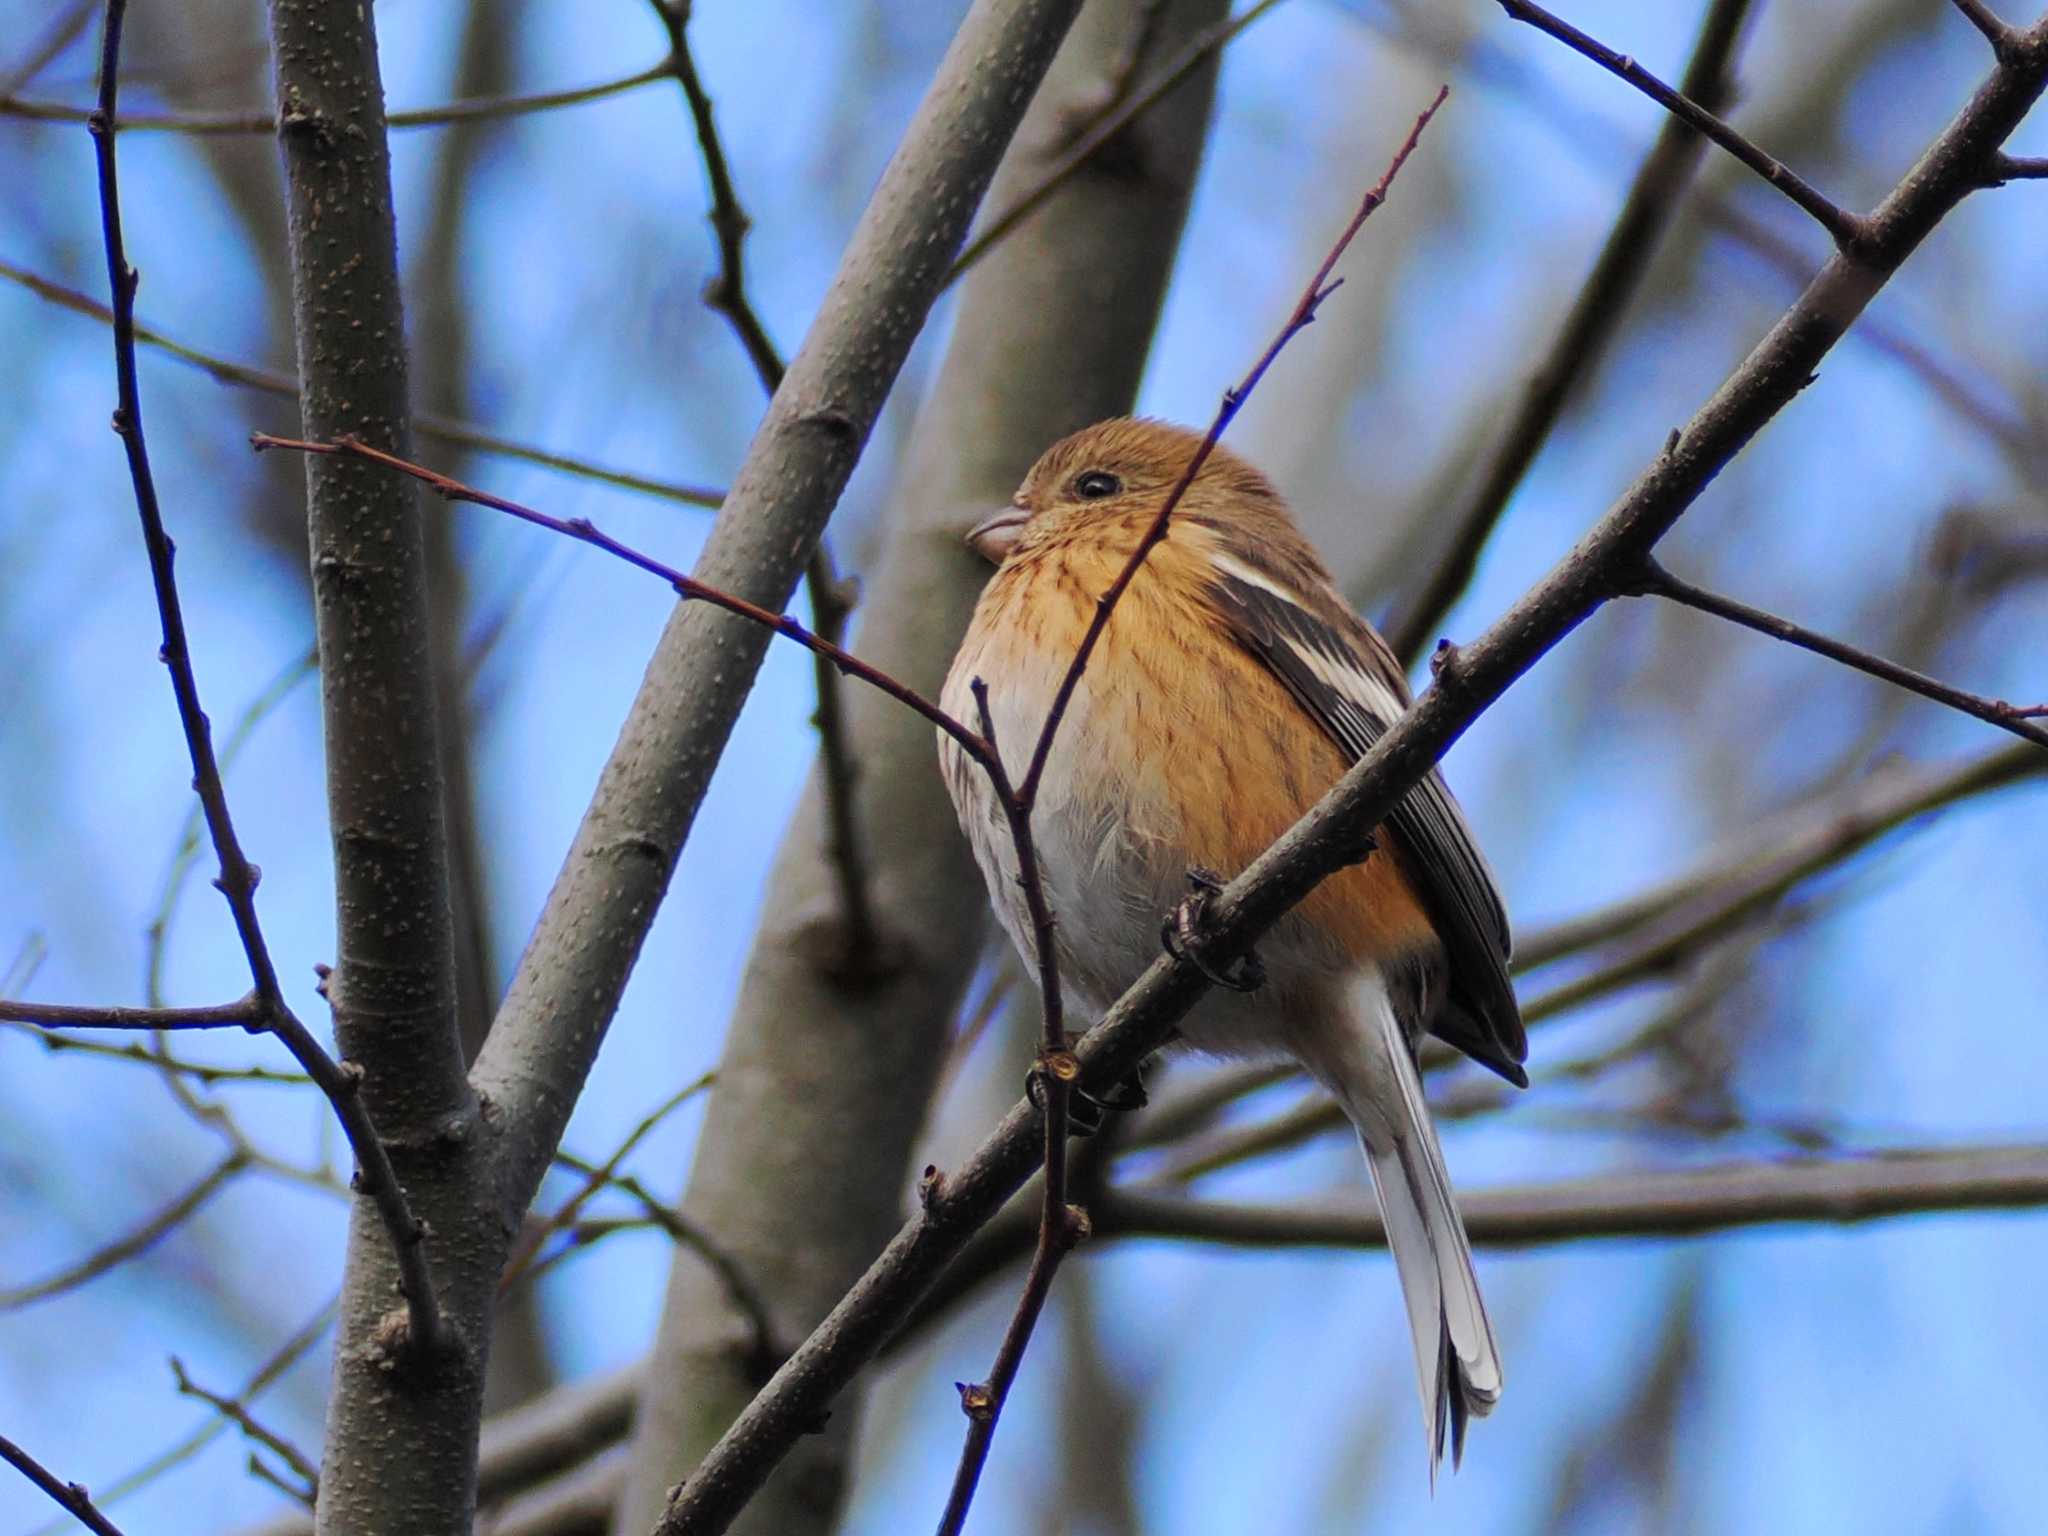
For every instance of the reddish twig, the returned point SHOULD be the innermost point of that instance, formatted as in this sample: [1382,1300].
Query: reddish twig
[1845,228]
[686,587]
[1653,580]
[1062,1226]
[71,1497]
[238,876]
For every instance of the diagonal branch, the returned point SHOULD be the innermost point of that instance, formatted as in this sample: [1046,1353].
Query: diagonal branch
[1595,315]
[1845,228]
[70,1497]
[1653,580]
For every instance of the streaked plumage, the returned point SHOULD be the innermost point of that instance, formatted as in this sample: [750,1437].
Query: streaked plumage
[1231,689]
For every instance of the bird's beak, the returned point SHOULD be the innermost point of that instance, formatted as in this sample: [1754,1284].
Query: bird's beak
[995,537]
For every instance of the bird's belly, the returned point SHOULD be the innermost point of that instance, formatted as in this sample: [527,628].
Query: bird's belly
[1115,851]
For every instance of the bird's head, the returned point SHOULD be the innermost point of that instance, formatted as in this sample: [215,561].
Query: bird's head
[1116,472]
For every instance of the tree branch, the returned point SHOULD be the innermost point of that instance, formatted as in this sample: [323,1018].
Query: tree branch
[1688,1202]
[1595,315]
[1655,581]
[442,429]
[70,1497]
[475,109]
[1843,227]
[1469,680]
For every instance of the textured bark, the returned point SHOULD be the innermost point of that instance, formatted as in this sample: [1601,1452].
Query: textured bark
[490,40]
[1052,334]
[401,1429]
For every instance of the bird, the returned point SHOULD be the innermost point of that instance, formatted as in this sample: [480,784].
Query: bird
[1232,687]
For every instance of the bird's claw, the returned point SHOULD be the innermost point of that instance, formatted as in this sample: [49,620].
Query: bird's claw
[1180,933]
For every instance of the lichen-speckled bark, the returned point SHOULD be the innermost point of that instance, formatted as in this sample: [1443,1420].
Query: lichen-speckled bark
[399,1455]
[1052,335]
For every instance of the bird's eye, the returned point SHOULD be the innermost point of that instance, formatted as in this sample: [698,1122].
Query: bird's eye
[1095,484]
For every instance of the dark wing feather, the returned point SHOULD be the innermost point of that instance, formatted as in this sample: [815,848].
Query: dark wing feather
[1350,684]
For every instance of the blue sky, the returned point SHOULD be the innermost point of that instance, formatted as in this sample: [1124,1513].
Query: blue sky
[1870,1378]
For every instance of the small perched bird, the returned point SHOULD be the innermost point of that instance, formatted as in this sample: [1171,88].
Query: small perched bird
[1231,689]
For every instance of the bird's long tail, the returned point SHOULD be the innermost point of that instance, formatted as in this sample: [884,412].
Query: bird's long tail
[1458,1366]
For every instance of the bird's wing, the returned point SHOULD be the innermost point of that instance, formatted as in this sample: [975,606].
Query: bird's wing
[1345,677]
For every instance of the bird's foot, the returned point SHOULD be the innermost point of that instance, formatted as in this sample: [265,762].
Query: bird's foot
[1181,936]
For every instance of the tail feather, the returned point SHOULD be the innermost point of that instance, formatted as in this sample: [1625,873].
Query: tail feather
[1457,1364]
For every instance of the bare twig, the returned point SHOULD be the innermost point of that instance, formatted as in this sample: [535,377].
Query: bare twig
[1319,288]
[566,1214]
[475,110]
[1681,1203]
[1595,316]
[444,429]
[2006,168]
[1653,580]
[726,292]
[238,876]
[68,1496]
[285,1356]
[686,587]
[236,1412]
[1124,108]
[123,1248]
[1845,228]
[248,1012]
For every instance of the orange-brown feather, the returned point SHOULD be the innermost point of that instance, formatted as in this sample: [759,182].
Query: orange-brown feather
[1230,759]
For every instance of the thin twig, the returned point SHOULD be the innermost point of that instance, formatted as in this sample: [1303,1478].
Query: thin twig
[566,1214]
[862,952]
[281,1360]
[1061,1226]
[144,1056]
[1845,228]
[740,1288]
[2018,168]
[69,1496]
[1655,581]
[250,1013]
[238,876]
[444,429]
[237,1413]
[1596,314]
[123,1248]
[1123,109]
[476,109]
[687,587]
[1980,16]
